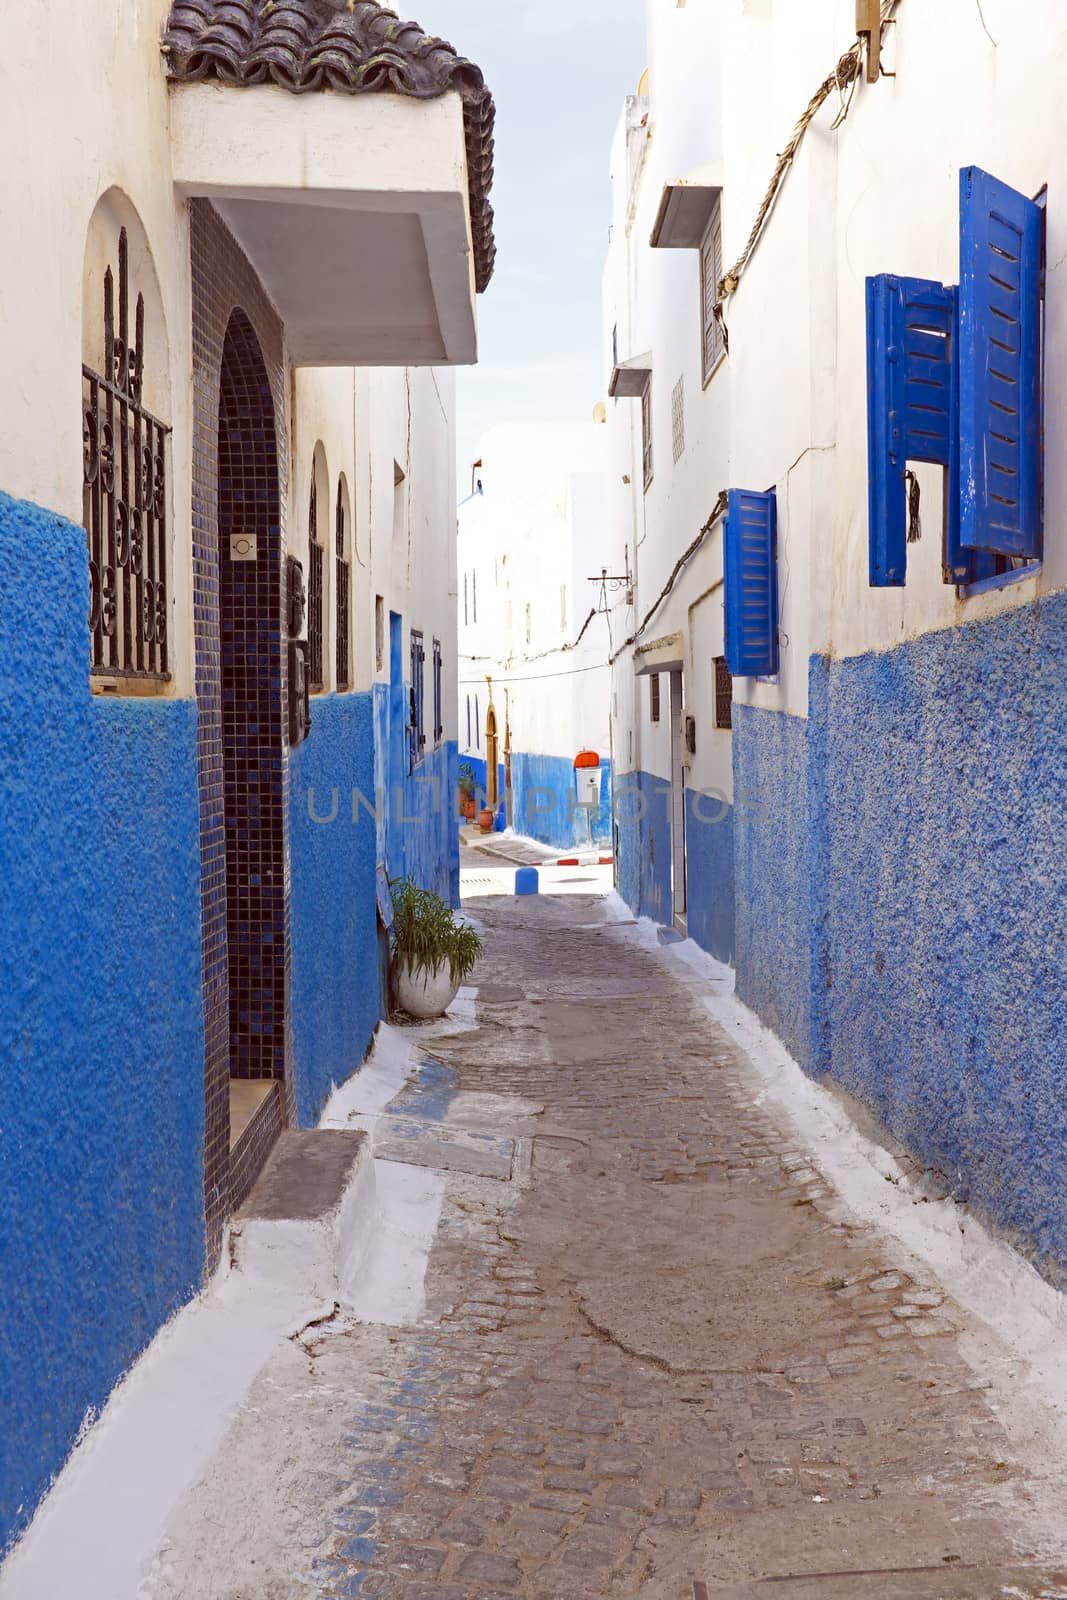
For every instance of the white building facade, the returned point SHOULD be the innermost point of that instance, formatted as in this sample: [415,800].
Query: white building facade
[249,244]
[534,631]
[859,508]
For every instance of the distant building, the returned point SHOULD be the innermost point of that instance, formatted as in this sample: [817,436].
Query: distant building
[847,781]
[533,639]
[227,458]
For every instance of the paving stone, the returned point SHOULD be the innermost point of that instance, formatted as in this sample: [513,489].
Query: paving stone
[636,1361]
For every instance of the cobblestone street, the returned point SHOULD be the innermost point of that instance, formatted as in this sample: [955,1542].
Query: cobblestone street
[661,1360]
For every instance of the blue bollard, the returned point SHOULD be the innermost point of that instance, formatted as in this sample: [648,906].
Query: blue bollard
[526,880]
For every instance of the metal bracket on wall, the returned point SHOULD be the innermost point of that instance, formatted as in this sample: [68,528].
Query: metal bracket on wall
[869,27]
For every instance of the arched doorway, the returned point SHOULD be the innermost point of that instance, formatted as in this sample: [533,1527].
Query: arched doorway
[253,754]
[492,760]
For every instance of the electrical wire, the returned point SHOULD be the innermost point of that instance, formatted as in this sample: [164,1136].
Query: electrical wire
[536,677]
[686,555]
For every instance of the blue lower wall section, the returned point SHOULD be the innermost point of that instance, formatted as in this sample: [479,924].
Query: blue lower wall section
[643,832]
[902,901]
[545,802]
[772,873]
[101,1024]
[947,900]
[336,995]
[709,870]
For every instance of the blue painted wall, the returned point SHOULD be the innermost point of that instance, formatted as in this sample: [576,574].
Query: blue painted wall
[772,873]
[545,801]
[709,869]
[947,905]
[902,901]
[336,996]
[642,815]
[101,1027]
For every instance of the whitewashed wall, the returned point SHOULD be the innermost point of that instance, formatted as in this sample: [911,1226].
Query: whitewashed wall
[788,407]
[878,195]
[652,297]
[533,538]
[372,424]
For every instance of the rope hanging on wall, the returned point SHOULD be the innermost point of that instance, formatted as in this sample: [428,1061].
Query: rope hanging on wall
[844,76]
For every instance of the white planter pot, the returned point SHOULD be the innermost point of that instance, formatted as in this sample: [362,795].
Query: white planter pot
[425,993]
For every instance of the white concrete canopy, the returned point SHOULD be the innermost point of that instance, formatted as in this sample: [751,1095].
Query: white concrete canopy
[685,209]
[353,210]
[660,655]
[630,378]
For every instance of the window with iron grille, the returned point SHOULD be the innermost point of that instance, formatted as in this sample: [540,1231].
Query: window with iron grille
[417,694]
[124,495]
[344,576]
[678,419]
[315,678]
[438,710]
[653,697]
[646,432]
[724,694]
[710,278]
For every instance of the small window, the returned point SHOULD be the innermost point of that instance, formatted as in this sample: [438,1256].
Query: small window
[710,278]
[529,630]
[438,722]
[477,724]
[468,722]
[653,697]
[724,694]
[379,632]
[466,604]
[646,432]
[474,595]
[418,702]
[315,553]
[678,419]
[563,607]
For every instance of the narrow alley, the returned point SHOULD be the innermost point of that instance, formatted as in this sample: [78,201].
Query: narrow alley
[658,1355]
[533,697]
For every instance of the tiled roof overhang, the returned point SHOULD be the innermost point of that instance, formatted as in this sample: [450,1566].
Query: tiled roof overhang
[354,48]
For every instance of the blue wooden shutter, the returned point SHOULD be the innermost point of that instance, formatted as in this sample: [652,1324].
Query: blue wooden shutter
[1000,367]
[912,409]
[750,559]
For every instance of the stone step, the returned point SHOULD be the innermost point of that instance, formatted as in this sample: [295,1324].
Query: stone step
[307,1223]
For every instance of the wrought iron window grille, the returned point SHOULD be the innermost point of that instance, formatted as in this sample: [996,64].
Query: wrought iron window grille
[724,694]
[438,712]
[124,499]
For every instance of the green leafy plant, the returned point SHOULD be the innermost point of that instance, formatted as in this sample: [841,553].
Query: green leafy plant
[426,933]
[467,782]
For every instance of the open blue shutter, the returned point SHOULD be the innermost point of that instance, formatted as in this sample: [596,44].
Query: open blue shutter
[751,578]
[912,409]
[1000,367]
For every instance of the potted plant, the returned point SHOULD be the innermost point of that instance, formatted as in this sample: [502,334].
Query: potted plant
[486,818]
[432,952]
[467,790]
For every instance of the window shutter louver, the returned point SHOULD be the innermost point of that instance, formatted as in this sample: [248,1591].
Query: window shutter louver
[751,579]
[912,410]
[1000,367]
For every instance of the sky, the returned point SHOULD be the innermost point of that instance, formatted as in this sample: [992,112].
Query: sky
[559,73]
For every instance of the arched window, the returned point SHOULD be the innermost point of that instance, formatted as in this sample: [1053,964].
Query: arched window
[125,494]
[316,588]
[342,584]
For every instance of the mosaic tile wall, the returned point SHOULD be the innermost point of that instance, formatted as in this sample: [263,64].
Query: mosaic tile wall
[250,611]
[222,282]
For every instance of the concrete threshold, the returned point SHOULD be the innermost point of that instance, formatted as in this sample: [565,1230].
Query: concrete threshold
[305,1228]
